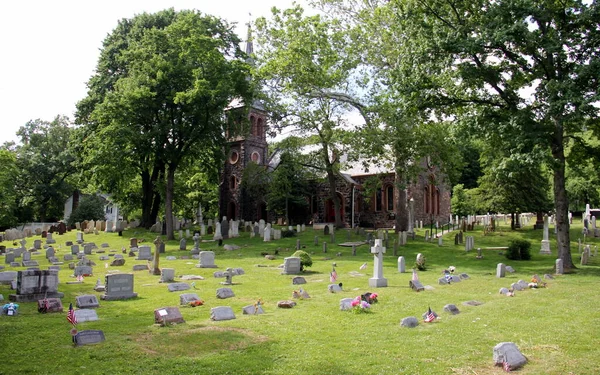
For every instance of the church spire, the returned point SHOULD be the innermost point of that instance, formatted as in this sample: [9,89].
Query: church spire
[249,44]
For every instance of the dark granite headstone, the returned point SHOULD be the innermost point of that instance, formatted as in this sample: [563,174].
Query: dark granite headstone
[90,336]
[168,315]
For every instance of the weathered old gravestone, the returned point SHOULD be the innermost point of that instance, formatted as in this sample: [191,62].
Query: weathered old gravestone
[452,309]
[221,313]
[167,275]
[409,322]
[50,305]
[83,271]
[223,293]
[88,337]
[401,265]
[252,310]
[7,277]
[508,352]
[545,249]
[74,249]
[206,260]
[378,280]
[298,280]
[559,267]
[87,301]
[118,286]
[168,315]
[291,266]
[86,315]
[176,287]
[9,258]
[33,285]
[145,253]
[187,298]
[500,270]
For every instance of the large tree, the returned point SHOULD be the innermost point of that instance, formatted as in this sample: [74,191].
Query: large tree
[176,74]
[8,194]
[45,163]
[307,68]
[525,69]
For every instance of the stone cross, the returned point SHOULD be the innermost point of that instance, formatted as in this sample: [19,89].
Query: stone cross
[378,280]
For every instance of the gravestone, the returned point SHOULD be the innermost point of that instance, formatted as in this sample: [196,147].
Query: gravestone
[409,322]
[500,270]
[378,280]
[346,304]
[401,264]
[49,239]
[9,258]
[182,244]
[145,253]
[140,267]
[167,275]
[298,280]
[206,260]
[223,293]
[225,228]
[508,352]
[87,249]
[26,256]
[88,337]
[7,277]
[83,271]
[452,309]
[49,252]
[252,310]
[118,286]
[33,285]
[87,301]
[74,249]
[168,315]
[559,267]
[187,298]
[50,305]
[291,266]
[86,315]
[221,313]
[545,249]
[177,287]
[416,285]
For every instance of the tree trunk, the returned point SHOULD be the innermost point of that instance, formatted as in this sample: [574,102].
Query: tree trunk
[169,202]
[151,198]
[401,208]
[561,202]
[334,198]
[512,221]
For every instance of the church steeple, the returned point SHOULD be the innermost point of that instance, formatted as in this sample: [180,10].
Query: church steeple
[249,44]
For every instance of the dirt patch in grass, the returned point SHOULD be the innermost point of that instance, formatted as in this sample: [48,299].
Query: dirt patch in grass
[195,342]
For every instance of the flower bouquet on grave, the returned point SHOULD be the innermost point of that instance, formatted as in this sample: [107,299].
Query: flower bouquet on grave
[196,303]
[359,306]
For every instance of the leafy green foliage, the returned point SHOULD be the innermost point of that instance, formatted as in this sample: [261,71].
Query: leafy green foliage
[45,163]
[519,250]
[305,259]
[8,194]
[91,207]
[162,86]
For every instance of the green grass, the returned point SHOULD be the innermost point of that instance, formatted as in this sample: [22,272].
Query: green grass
[556,328]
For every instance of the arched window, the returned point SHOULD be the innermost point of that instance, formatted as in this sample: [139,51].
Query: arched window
[253,125]
[232,183]
[389,198]
[259,127]
[426,200]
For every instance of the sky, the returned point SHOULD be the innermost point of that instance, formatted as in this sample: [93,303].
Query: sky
[50,48]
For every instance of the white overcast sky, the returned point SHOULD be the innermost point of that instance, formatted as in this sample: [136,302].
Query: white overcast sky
[49,48]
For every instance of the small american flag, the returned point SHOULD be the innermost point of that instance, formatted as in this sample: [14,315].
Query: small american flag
[333,276]
[430,316]
[364,266]
[506,366]
[71,315]
[415,277]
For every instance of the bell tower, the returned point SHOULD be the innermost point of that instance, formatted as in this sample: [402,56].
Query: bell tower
[246,143]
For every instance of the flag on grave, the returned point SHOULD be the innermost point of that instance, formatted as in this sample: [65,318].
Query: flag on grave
[430,316]
[71,315]
[415,277]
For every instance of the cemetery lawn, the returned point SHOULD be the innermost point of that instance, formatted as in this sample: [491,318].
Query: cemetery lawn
[556,327]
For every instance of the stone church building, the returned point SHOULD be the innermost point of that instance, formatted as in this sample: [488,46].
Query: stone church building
[248,144]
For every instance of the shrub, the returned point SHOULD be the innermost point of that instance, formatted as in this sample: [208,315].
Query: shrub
[288,233]
[305,259]
[519,250]
[89,208]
